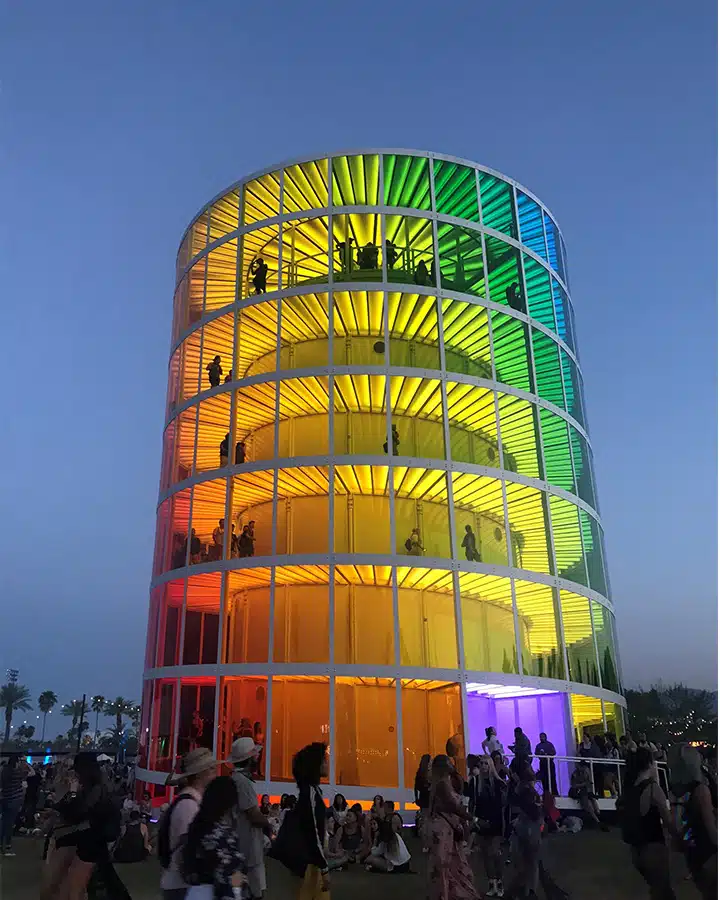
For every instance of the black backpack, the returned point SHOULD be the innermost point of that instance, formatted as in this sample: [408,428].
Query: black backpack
[408,545]
[165,851]
[289,847]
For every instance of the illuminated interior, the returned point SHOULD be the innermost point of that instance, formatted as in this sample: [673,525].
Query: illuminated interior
[377,523]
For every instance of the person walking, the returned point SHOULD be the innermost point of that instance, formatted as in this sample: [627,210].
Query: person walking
[251,823]
[488,796]
[12,791]
[197,770]
[212,863]
[422,798]
[449,873]
[469,544]
[310,765]
[526,835]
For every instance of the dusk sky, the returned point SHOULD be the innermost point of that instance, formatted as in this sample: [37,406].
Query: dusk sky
[119,121]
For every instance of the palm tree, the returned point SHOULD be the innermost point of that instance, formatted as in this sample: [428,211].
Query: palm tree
[46,701]
[74,709]
[14,698]
[97,705]
[119,707]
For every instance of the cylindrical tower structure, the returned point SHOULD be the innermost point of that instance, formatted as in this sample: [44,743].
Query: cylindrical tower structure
[377,523]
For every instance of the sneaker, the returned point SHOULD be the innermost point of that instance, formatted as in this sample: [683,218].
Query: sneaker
[492,891]
[8,853]
[499,889]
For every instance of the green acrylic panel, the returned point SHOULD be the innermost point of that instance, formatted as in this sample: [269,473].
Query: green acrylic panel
[519,435]
[407,181]
[556,450]
[573,387]
[502,262]
[455,190]
[592,539]
[461,259]
[498,207]
[541,305]
[356,180]
[583,468]
[602,620]
[512,351]
[466,334]
[548,374]
[568,543]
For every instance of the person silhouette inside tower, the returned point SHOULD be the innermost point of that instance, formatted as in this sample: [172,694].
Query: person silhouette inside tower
[395,441]
[259,271]
[214,371]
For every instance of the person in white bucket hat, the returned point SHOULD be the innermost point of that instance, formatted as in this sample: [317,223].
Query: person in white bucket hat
[197,770]
[252,824]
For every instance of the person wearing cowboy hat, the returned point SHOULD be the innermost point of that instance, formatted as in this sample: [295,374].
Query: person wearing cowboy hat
[197,770]
[252,824]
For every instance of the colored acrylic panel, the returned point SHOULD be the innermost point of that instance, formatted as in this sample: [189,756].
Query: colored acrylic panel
[208,509]
[259,263]
[304,331]
[614,718]
[603,626]
[304,252]
[503,268]
[188,363]
[202,618]
[256,344]
[583,467]
[247,619]
[422,525]
[360,421]
[303,427]
[261,198]
[221,276]
[407,181]
[579,643]
[213,433]
[169,619]
[498,207]
[556,450]
[593,540]
[427,629]
[243,713]
[413,328]
[198,234]
[528,528]
[357,250]
[359,330]
[568,543]
[365,740]
[300,716]
[539,294]
[254,435]
[168,455]
[302,510]
[409,250]
[537,629]
[461,259]
[488,623]
[217,352]
[587,715]
[573,387]
[479,519]
[511,346]
[548,374]
[185,444]
[455,190]
[531,224]
[519,436]
[162,538]
[416,405]
[552,236]
[162,742]
[305,186]
[251,514]
[564,318]
[431,711]
[179,521]
[302,616]
[195,295]
[362,509]
[224,216]
[472,424]
[356,180]
[466,334]
[364,627]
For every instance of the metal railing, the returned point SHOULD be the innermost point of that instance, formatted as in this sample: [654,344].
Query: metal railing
[606,775]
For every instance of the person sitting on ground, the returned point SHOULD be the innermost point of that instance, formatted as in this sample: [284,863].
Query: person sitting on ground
[224,449]
[389,853]
[349,837]
[265,806]
[469,544]
[214,371]
[582,790]
[413,545]
[134,842]
[338,809]
[377,810]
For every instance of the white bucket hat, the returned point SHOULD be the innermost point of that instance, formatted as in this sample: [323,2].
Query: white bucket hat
[193,763]
[243,748]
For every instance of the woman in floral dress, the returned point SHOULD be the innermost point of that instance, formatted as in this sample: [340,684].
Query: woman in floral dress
[212,862]
[449,872]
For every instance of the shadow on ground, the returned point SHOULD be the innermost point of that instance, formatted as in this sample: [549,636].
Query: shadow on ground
[589,865]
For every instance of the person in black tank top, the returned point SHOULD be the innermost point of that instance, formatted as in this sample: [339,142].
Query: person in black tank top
[646,824]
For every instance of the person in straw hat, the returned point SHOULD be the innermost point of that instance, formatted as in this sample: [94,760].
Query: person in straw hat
[252,824]
[197,770]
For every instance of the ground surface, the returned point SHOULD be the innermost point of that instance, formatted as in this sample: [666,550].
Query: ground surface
[589,865]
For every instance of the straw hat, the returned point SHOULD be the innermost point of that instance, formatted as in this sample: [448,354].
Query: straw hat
[243,748]
[193,763]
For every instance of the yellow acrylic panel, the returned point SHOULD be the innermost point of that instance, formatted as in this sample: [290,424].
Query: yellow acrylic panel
[304,252]
[247,621]
[466,335]
[259,244]
[569,558]
[409,250]
[431,713]
[365,745]
[488,623]
[478,503]
[195,293]
[304,331]
[261,198]
[587,715]
[213,426]
[221,276]
[579,641]
[472,424]
[185,444]
[357,251]
[428,636]
[356,180]
[224,216]
[364,627]
[518,436]
[358,328]
[217,342]
[302,617]
[528,528]
[256,344]
[305,186]
[208,508]
[189,375]
[300,716]
[538,631]
[413,330]
[255,420]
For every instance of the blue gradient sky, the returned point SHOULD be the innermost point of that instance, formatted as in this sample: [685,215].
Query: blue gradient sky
[118,121]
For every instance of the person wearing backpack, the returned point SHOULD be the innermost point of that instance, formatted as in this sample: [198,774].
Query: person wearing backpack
[197,770]
[646,823]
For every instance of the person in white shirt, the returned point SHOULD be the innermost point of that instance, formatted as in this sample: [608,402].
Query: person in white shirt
[197,770]
[389,853]
[252,824]
[491,742]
